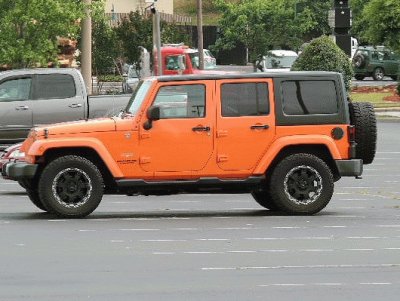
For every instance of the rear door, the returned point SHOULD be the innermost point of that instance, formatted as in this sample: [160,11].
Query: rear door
[15,108]
[245,122]
[56,99]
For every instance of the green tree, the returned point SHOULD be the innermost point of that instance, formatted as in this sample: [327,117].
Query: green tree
[322,54]
[29,30]
[382,19]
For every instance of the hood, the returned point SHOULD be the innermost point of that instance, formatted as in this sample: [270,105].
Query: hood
[76,127]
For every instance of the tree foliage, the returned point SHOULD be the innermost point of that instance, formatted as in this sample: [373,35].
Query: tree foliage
[322,54]
[29,30]
[263,25]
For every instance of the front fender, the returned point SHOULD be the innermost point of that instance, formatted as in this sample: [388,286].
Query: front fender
[39,147]
[296,140]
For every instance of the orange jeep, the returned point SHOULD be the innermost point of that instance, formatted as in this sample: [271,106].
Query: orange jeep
[283,137]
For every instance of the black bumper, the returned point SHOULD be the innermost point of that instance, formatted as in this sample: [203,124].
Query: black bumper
[350,168]
[19,170]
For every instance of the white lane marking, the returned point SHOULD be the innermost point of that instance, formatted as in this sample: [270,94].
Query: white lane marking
[275,251]
[213,239]
[359,249]
[203,252]
[287,227]
[335,226]
[86,230]
[328,284]
[184,201]
[290,238]
[318,266]
[176,218]
[316,250]
[20,245]
[244,251]
[57,220]
[366,237]
[117,241]
[287,284]
[236,228]
[163,240]
[136,229]
[222,217]
[391,248]
[9,183]
[184,229]
[120,202]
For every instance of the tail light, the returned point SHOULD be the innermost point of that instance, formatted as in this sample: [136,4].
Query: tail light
[351,130]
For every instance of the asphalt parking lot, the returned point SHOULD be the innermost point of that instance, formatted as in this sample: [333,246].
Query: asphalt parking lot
[210,247]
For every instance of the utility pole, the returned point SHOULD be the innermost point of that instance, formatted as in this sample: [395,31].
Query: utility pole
[200,33]
[86,57]
[156,36]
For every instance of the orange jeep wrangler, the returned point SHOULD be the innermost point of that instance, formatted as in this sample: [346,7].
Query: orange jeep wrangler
[283,137]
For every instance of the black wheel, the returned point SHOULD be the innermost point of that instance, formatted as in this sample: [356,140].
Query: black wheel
[34,197]
[264,199]
[359,61]
[359,77]
[362,116]
[378,73]
[301,184]
[71,186]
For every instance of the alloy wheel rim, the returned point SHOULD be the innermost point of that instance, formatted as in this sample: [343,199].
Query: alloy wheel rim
[303,185]
[72,187]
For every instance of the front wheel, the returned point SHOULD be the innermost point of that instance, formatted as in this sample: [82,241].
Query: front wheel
[71,186]
[301,184]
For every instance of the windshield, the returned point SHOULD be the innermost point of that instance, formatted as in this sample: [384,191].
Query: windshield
[132,72]
[138,96]
[278,62]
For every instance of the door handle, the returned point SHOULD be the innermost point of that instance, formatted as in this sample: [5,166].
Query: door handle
[22,108]
[260,127]
[201,129]
[75,105]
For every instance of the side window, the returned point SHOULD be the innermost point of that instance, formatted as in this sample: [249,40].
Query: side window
[50,86]
[15,89]
[309,97]
[172,63]
[244,99]
[181,101]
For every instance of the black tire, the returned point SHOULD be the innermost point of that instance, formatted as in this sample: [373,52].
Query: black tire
[362,116]
[34,197]
[301,184]
[359,61]
[378,73]
[263,198]
[359,76]
[71,186]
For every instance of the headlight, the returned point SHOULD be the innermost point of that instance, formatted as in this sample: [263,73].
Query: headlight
[17,154]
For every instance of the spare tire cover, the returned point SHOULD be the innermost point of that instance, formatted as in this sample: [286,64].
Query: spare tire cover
[359,61]
[362,116]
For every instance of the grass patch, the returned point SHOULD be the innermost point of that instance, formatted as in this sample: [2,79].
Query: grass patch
[376,98]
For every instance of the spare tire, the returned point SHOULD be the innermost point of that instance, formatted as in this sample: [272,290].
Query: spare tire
[359,60]
[362,116]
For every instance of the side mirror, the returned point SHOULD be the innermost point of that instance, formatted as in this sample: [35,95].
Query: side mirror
[153,114]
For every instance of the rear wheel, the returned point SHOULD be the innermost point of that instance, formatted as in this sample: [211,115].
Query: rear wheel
[378,73]
[359,61]
[71,186]
[301,184]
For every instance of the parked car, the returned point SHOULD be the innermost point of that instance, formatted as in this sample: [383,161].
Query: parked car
[11,153]
[33,97]
[285,138]
[131,79]
[276,60]
[210,62]
[377,62]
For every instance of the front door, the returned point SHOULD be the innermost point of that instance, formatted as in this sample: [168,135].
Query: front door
[15,109]
[245,122]
[181,142]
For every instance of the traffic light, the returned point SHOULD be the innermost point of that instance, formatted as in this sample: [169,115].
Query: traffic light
[341,3]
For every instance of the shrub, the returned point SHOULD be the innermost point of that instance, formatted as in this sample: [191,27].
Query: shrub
[398,88]
[322,54]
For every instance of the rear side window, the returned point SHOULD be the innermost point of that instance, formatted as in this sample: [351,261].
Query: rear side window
[309,97]
[244,99]
[50,86]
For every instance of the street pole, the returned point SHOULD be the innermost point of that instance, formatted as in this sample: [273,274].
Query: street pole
[200,33]
[86,48]
[157,38]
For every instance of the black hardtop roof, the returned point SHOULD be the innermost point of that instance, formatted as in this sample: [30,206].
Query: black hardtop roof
[216,76]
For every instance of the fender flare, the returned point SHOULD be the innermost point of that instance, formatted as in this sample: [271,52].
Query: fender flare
[296,140]
[39,148]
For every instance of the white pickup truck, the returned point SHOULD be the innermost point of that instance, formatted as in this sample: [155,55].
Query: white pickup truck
[33,97]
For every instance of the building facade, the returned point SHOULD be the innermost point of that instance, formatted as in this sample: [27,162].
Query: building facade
[126,6]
